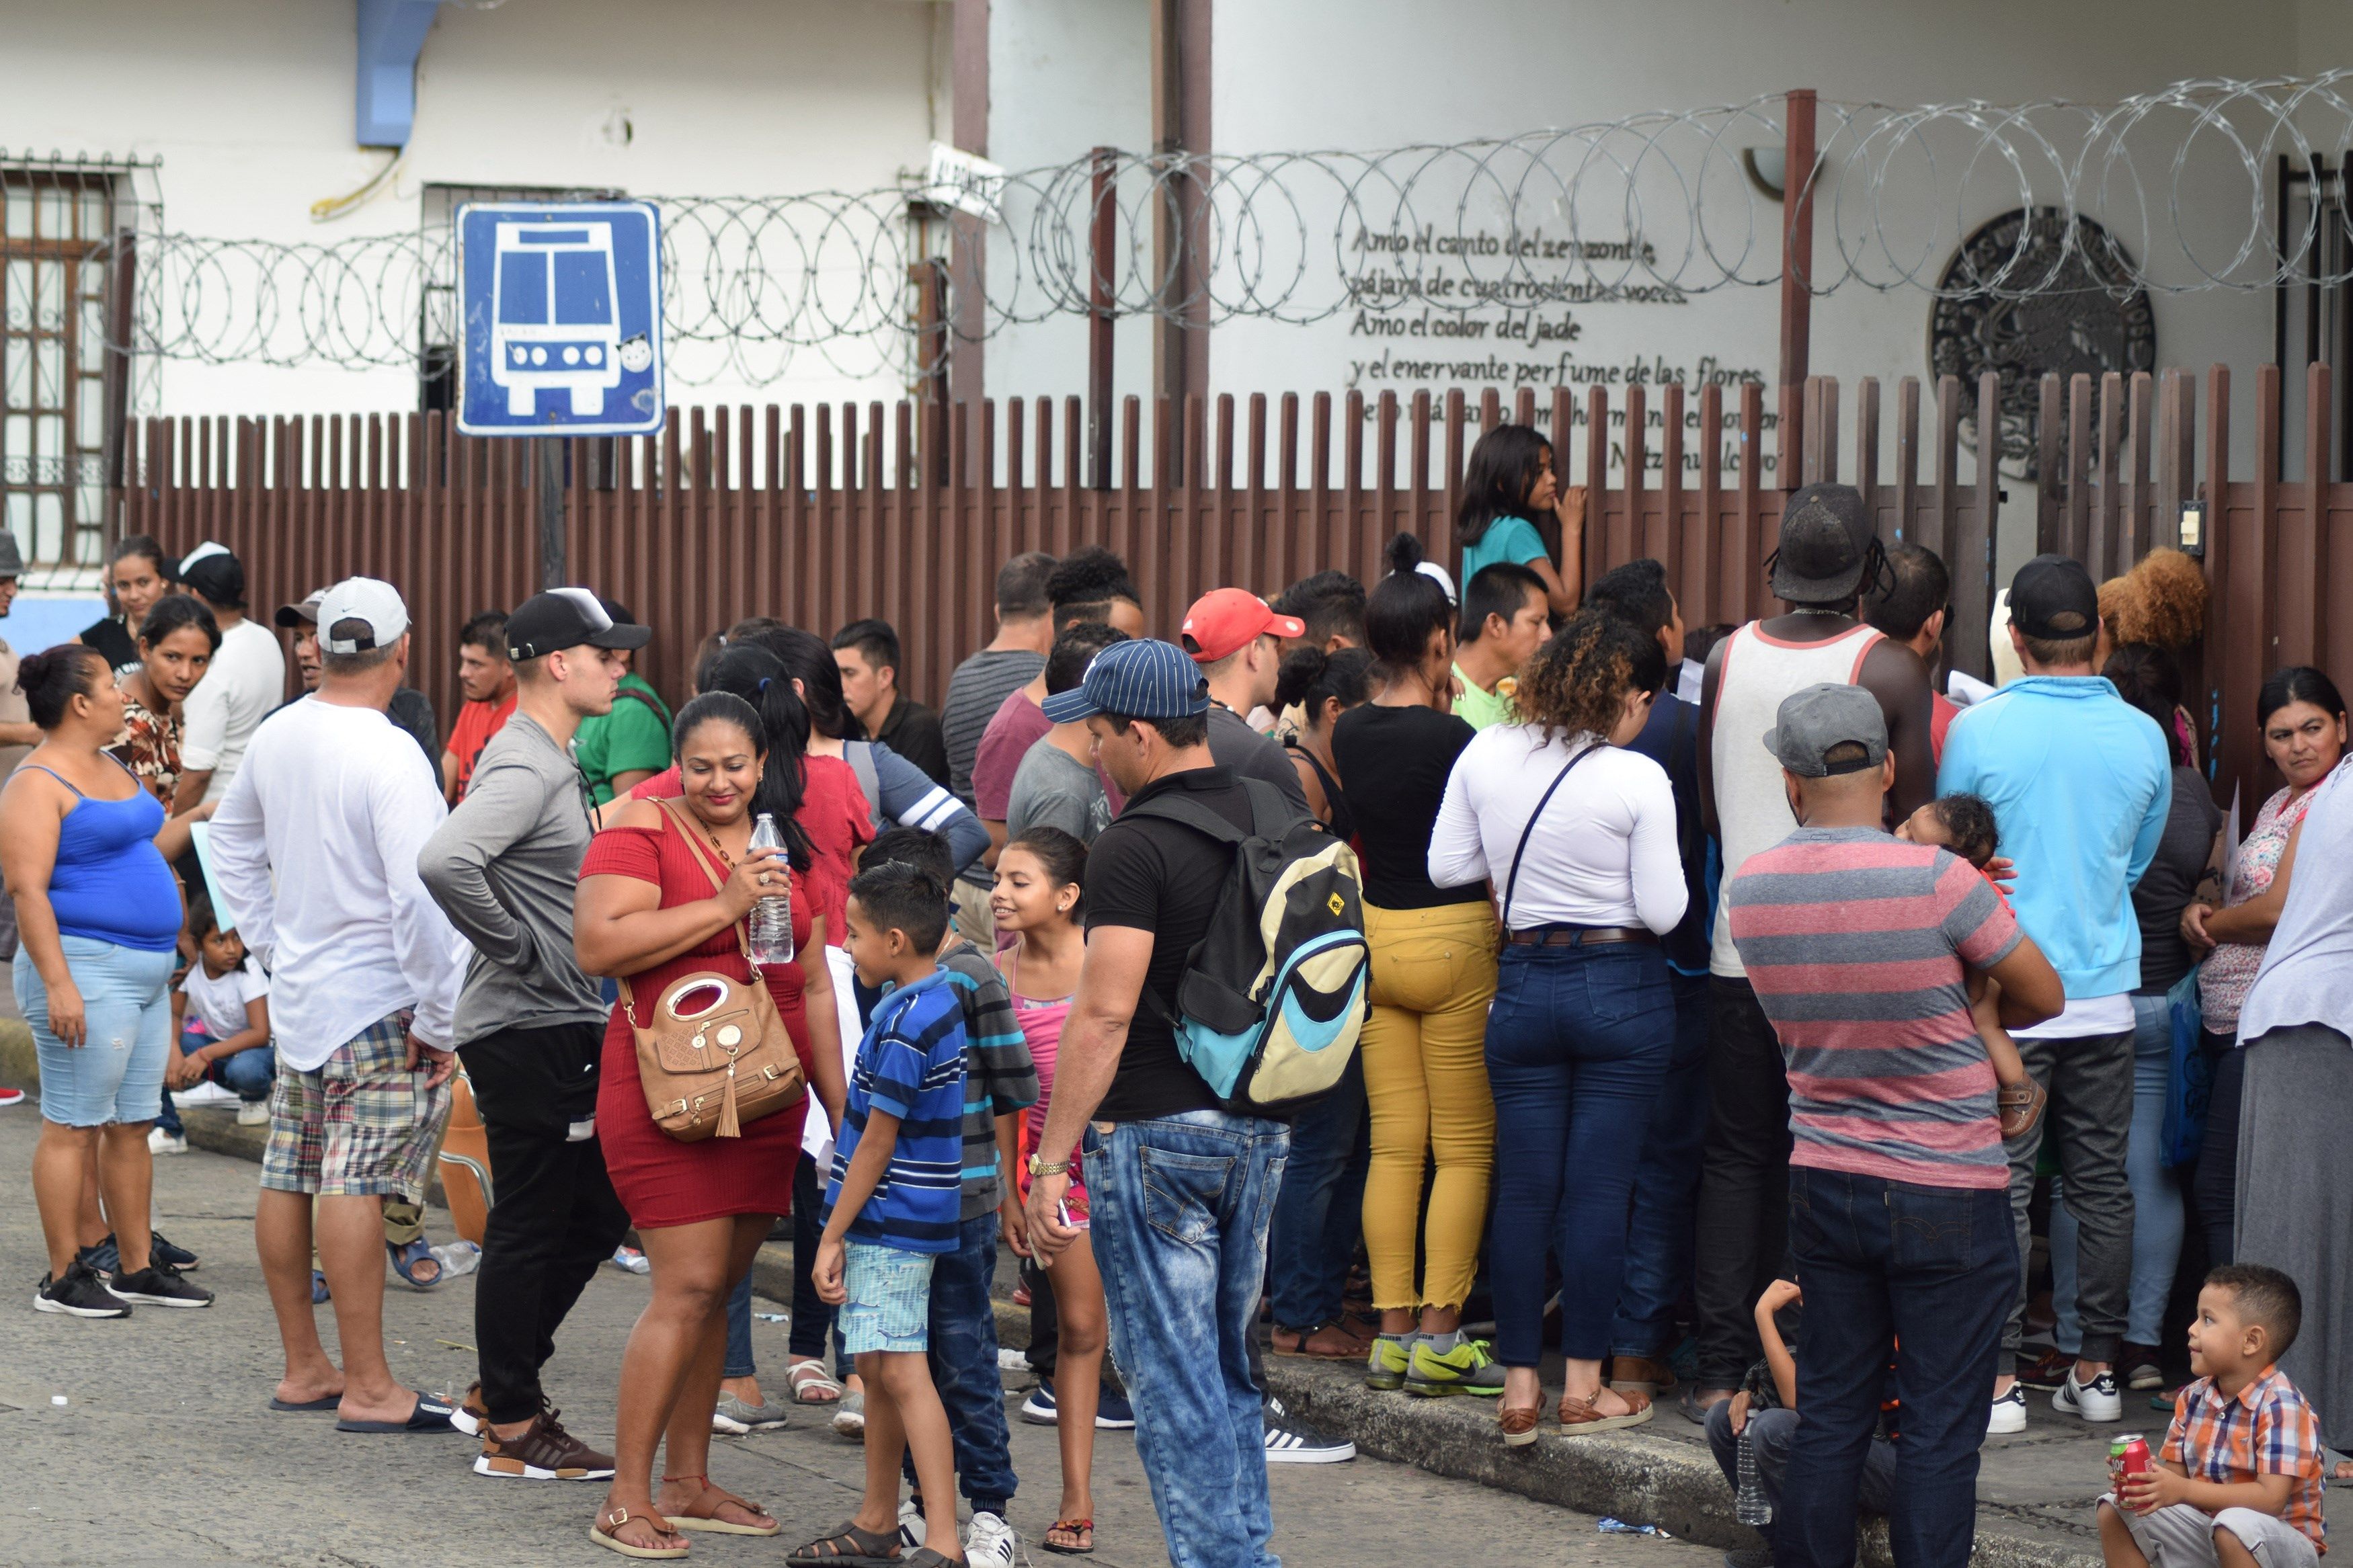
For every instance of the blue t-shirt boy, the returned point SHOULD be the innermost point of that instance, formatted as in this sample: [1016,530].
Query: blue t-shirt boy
[910,1066]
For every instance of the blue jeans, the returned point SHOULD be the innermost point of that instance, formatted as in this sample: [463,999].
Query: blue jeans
[963,1367]
[2157,1196]
[740,1361]
[1181,1207]
[1659,1235]
[1577,1041]
[1922,1275]
[247,1075]
[812,1319]
[1322,1202]
[117,1074]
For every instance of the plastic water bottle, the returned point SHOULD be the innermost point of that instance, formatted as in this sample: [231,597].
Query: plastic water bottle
[772,917]
[1751,1507]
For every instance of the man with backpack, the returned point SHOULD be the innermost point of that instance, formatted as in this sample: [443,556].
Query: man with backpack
[1148,1080]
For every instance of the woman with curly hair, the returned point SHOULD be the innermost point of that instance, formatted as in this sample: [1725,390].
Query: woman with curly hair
[1579,836]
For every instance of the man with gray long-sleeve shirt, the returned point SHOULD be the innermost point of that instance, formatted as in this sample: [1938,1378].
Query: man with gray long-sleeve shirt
[531,1026]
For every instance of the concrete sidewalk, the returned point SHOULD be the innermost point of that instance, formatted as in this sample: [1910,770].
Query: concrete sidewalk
[2035,1492]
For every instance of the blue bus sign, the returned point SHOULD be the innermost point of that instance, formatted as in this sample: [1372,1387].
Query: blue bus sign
[559,308]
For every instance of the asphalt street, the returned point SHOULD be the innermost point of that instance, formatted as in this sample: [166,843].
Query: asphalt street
[148,1440]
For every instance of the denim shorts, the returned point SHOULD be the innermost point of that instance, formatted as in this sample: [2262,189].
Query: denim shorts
[126,997]
[890,1298]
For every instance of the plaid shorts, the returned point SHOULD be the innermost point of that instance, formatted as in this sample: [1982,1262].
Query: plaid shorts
[889,1304]
[360,1124]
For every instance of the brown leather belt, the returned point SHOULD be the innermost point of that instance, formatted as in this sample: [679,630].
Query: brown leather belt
[1583,936]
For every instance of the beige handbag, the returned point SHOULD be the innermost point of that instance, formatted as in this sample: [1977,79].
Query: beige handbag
[714,1053]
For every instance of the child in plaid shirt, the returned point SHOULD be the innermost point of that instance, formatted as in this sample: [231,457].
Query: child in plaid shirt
[2238,1482]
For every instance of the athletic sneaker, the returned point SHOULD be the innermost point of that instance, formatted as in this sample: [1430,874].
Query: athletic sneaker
[849,1416]
[2009,1412]
[1442,1364]
[542,1451]
[162,1143]
[910,1526]
[79,1294]
[1386,1361]
[9,1097]
[253,1113]
[103,1258]
[2097,1401]
[2141,1368]
[1112,1412]
[473,1415]
[160,1285]
[734,1418]
[1290,1442]
[989,1542]
[160,1250]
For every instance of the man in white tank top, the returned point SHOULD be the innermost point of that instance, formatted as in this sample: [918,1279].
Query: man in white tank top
[1828,556]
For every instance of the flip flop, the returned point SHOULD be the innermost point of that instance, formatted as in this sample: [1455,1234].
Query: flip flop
[328,1401]
[431,1415]
[405,1260]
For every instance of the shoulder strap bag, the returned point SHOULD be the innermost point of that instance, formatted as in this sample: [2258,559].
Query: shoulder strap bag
[714,1053]
[1534,817]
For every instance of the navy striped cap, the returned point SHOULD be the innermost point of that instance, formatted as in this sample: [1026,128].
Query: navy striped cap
[1136,679]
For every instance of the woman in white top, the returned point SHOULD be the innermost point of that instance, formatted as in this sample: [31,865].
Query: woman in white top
[1579,837]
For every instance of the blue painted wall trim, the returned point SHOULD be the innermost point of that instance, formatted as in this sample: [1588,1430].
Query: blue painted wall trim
[391,32]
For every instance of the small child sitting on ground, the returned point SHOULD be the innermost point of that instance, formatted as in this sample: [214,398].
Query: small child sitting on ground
[891,1210]
[1965,825]
[2238,1482]
[220,1016]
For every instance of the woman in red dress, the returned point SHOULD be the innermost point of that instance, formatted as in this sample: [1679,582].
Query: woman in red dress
[661,896]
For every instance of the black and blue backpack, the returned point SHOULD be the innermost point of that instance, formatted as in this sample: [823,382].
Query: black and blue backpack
[1274,997]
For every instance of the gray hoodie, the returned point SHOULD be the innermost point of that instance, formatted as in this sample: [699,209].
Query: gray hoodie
[502,867]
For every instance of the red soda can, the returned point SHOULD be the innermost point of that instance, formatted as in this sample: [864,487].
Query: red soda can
[2134,1460]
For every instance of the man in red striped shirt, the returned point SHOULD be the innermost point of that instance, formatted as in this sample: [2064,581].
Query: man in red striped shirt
[1860,947]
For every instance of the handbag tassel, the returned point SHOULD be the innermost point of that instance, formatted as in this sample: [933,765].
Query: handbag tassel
[729,1126]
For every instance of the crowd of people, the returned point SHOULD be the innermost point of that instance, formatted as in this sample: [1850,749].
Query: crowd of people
[1709,976]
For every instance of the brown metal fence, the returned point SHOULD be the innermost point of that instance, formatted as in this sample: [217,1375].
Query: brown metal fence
[822,516]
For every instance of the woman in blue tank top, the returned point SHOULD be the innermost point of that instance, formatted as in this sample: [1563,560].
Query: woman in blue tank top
[99,915]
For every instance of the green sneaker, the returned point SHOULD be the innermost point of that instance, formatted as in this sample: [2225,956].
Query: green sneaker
[1466,1366]
[1386,1361]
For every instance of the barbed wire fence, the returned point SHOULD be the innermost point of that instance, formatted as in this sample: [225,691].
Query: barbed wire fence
[2178,185]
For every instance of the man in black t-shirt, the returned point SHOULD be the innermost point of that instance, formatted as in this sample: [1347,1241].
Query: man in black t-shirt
[1183,1259]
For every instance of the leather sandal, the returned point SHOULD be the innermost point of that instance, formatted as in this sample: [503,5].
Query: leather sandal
[1336,1341]
[1518,1422]
[1583,1417]
[2019,1106]
[604,1532]
[849,1546]
[714,1498]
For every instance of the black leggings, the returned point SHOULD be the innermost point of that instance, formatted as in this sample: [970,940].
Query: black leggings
[2216,1189]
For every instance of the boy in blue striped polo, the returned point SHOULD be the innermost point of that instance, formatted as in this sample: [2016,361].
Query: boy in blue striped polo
[892,1207]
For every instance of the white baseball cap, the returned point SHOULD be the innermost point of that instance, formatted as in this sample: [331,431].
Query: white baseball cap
[359,614]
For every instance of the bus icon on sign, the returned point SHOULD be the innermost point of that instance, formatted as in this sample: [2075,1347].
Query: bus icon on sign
[555,326]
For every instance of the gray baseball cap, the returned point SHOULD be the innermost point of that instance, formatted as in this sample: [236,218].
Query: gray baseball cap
[1813,722]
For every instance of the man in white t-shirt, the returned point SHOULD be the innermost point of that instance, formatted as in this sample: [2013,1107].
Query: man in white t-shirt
[315,847]
[246,681]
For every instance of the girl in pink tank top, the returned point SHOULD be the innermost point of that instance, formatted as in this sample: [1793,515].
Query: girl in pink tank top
[1037,904]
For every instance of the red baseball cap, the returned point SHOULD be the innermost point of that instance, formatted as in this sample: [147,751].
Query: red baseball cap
[1227,620]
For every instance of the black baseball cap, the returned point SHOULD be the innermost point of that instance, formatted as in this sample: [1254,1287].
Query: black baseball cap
[305,613]
[1826,534]
[566,618]
[2052,599]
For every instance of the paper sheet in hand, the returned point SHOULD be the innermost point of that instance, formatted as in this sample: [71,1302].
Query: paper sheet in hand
[201,835]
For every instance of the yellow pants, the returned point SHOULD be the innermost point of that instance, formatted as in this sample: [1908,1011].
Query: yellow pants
[1433,974]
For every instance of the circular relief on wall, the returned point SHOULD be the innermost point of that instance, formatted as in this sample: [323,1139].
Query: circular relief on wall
[2034,291]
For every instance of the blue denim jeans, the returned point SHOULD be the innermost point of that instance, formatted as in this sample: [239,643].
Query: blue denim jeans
[1320,1209]
[117,1074]
[1181,1209]
[1576,1043]
[812,1319]
[963,1367]
[2156,1191]
[1658,1235]
[247,1075]
[1922,1275]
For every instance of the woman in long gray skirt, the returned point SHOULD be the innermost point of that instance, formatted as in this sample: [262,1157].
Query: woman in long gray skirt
[2296,1164]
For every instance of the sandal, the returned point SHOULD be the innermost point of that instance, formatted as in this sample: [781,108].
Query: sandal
[1518,1422]
[1584,1418]
[2019,1106]
[850,1547]
[811,1383]
[605,1532]
[714,1498]
[407,1261]
[1074,1528]
[1325,1342]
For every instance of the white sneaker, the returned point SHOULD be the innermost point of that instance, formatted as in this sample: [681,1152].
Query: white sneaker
[2097,1401]
[910,1526]
[253,1113]
[204,1093]
[989,1542]
[162,1143]
[2008,1413]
